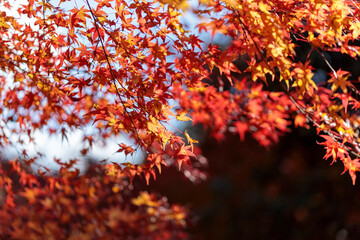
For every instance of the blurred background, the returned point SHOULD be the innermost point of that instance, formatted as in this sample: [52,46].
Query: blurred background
[286,192]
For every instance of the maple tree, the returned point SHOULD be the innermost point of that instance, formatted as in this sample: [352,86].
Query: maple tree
[115,66]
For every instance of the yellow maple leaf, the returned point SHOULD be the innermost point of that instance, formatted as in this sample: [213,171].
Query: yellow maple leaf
[144,199]
[182,117]
[339,79]
[190,140]
[263,7]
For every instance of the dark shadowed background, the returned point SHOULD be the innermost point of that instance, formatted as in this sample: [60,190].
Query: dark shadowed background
[286,192]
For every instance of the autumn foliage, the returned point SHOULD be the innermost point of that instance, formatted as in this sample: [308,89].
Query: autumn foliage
[70,207]
[128,68]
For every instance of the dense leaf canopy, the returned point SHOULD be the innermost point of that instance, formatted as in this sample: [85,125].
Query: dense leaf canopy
[116,67]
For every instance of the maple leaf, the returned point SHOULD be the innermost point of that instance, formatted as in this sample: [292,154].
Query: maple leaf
[241,128]
[145,198]
[182,117]
[340,79]
[30,195]
[190,140]
[352,166]
[301,121]
[184,155]
[344,99]
[125,148]
[333,148]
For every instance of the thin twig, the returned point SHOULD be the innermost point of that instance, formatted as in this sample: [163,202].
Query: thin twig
[112,73]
